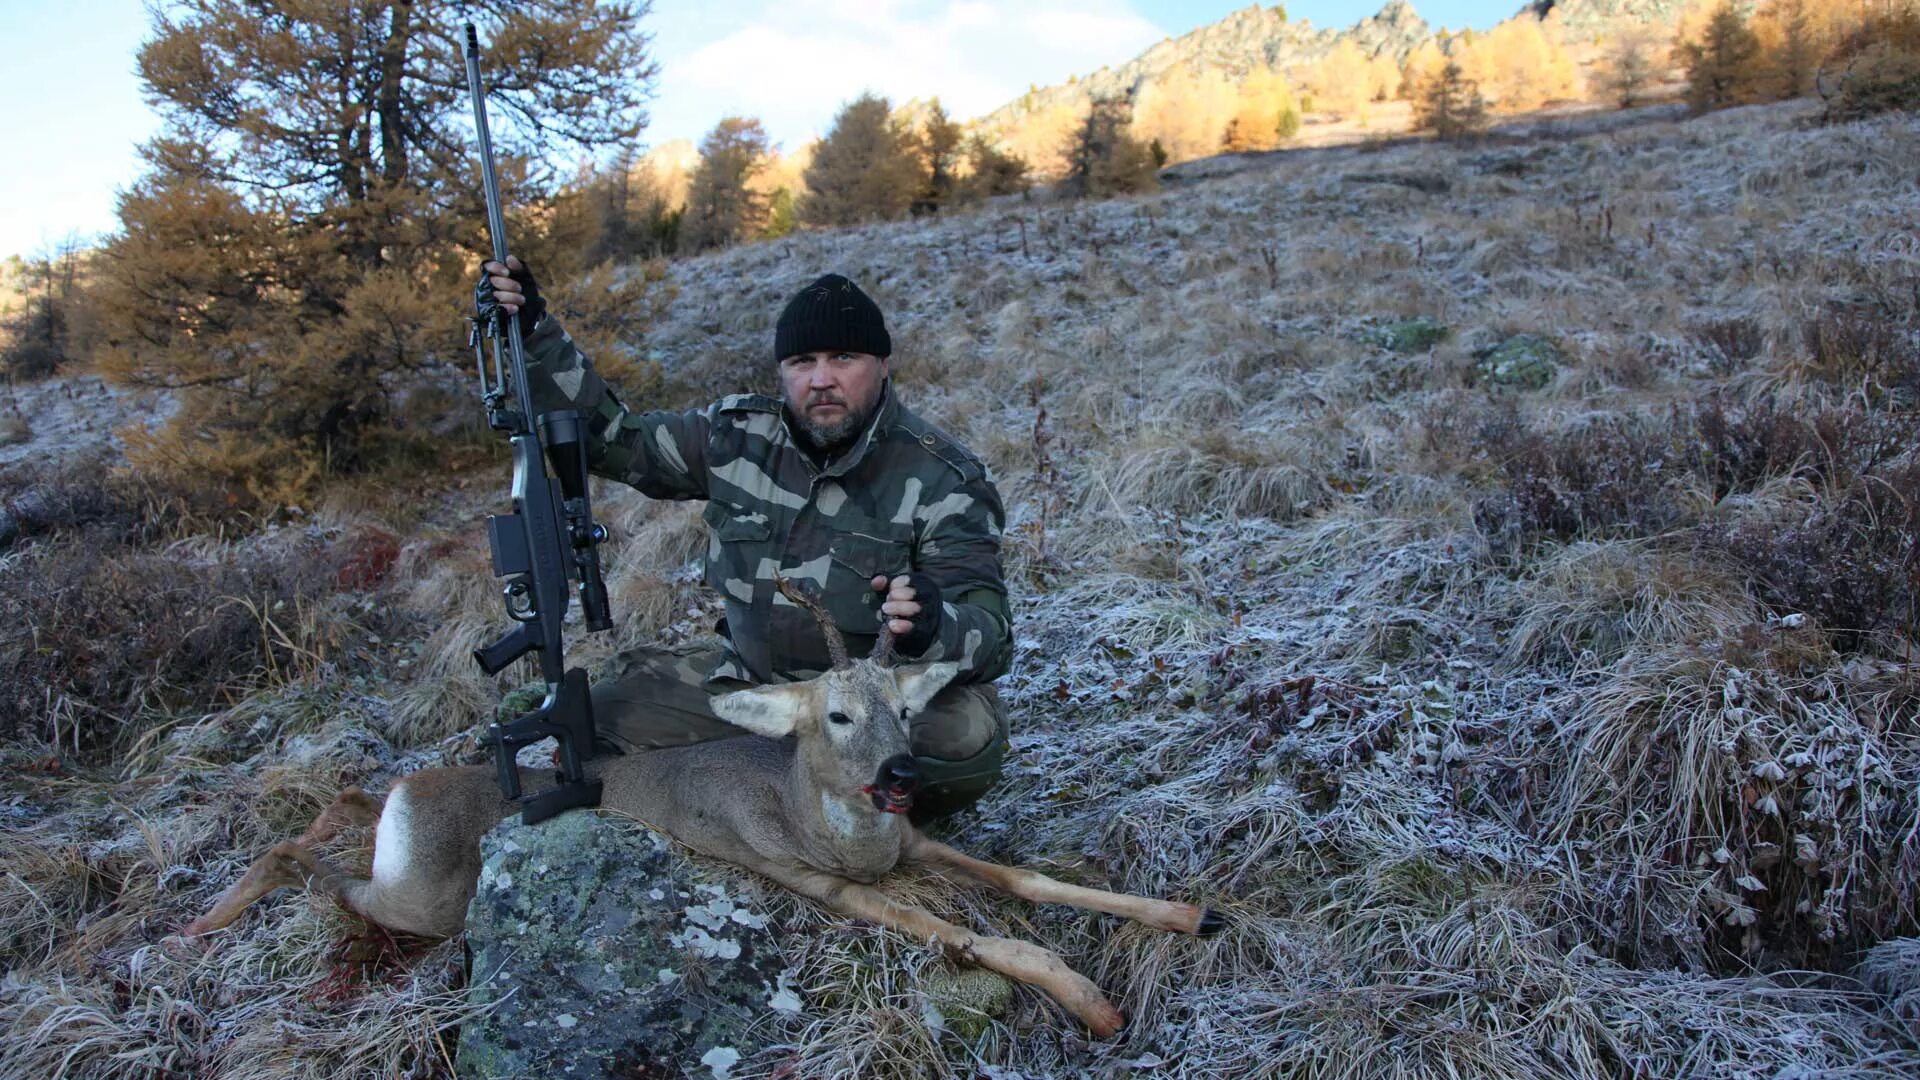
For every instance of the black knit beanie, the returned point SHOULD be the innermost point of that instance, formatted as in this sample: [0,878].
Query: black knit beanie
[831,315]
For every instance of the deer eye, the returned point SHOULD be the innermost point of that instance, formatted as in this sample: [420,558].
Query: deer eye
[840,718]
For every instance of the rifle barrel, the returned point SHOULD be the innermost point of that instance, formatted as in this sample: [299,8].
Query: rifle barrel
[497,224]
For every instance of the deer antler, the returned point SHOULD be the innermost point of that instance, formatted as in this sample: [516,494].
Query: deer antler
[883,645]
[836,645]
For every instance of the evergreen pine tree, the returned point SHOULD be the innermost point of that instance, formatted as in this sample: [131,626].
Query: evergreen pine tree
[1796,49]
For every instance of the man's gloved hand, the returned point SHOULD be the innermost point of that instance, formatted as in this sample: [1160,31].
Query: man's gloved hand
[913,611]
[511,289]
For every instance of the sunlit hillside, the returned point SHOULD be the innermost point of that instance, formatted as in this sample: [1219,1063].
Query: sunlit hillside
[1484,573]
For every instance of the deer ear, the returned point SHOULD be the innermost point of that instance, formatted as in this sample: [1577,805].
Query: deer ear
[919,682]
[772,711]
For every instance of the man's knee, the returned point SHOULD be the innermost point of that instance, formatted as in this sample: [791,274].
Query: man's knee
[647,699]
[960,744]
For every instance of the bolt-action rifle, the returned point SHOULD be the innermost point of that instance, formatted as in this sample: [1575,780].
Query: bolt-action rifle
[549,538]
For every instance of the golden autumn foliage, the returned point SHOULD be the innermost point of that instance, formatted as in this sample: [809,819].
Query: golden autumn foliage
[939,141]
[1266,115]
[1186,111]
[1449,104]
[1722,61]
[866,168]
[1518,66]
[1420,67]
[297,261]
[1041,138]
[723,208]
[989,171]
[1875,65]
[46,321]
[1343,81]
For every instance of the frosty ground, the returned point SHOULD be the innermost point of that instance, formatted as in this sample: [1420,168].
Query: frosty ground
[1373,586]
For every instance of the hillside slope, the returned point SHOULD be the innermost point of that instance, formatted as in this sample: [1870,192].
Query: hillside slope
[1469,569]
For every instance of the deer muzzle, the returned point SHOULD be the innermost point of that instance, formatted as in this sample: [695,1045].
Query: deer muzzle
[893,786]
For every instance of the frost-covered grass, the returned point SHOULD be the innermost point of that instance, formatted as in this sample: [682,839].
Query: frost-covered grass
[1506,748]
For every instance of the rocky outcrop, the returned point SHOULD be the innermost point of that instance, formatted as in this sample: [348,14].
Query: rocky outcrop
[1256,36]
[1582,20]
[1247,39]
[602,951]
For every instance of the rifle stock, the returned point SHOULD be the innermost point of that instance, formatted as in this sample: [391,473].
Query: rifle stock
[548,539]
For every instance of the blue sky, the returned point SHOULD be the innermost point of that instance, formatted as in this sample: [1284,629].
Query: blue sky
[790,62]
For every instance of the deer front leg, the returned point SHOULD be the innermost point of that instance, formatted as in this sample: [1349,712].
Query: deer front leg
[1028,885]
[1027,962]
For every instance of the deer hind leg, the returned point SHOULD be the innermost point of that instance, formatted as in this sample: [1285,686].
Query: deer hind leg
[1028,885]
[425,896]
[281,867]
[271,871]
[353,807]
[1025,961]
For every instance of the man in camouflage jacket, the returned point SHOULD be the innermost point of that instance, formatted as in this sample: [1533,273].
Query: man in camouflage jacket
[834,483]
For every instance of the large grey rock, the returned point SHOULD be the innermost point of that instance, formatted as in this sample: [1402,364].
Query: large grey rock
[604,952]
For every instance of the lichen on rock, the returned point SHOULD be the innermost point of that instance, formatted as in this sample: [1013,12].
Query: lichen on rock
[603,951]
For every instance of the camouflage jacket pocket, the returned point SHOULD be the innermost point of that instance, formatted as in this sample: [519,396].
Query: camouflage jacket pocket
[857,558]
[740,540]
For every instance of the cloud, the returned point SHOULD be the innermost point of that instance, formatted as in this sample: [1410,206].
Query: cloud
[794,64]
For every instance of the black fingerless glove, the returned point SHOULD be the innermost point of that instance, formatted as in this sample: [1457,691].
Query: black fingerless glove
[926,625]
[488,308]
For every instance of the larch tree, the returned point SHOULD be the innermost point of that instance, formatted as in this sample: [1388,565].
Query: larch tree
[1105,159]
[295,259]
[1794,40]
[1342,81]
[1518,66]
[43,335]
[1723,64]
[1186,111]
[866,168]
[1627,67]
[1267,114]
[1450,105]
[722,209]
[991,171]
[940,149]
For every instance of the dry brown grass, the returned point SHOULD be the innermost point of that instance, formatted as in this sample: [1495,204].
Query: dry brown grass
[1507,727]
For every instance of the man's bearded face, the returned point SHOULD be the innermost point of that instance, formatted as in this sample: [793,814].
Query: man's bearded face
[832,395]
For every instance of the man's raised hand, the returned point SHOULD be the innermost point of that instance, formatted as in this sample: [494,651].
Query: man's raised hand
[509,288]
[912,608]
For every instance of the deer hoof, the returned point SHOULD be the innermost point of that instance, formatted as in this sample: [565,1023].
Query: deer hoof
[1107,1022]
[1210,923]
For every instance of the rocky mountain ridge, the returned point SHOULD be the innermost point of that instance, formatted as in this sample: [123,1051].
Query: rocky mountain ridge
[1257,37]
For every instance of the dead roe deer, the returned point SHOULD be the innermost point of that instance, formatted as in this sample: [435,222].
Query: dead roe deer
[823,813]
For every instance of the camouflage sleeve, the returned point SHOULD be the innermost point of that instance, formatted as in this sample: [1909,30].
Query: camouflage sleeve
[959,548]
[661,453]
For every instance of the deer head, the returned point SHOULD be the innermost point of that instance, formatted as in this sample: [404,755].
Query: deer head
[852,721]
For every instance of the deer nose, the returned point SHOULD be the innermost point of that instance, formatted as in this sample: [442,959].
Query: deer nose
[898,773]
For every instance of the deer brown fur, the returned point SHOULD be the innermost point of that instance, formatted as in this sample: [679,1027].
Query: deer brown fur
[821,812]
